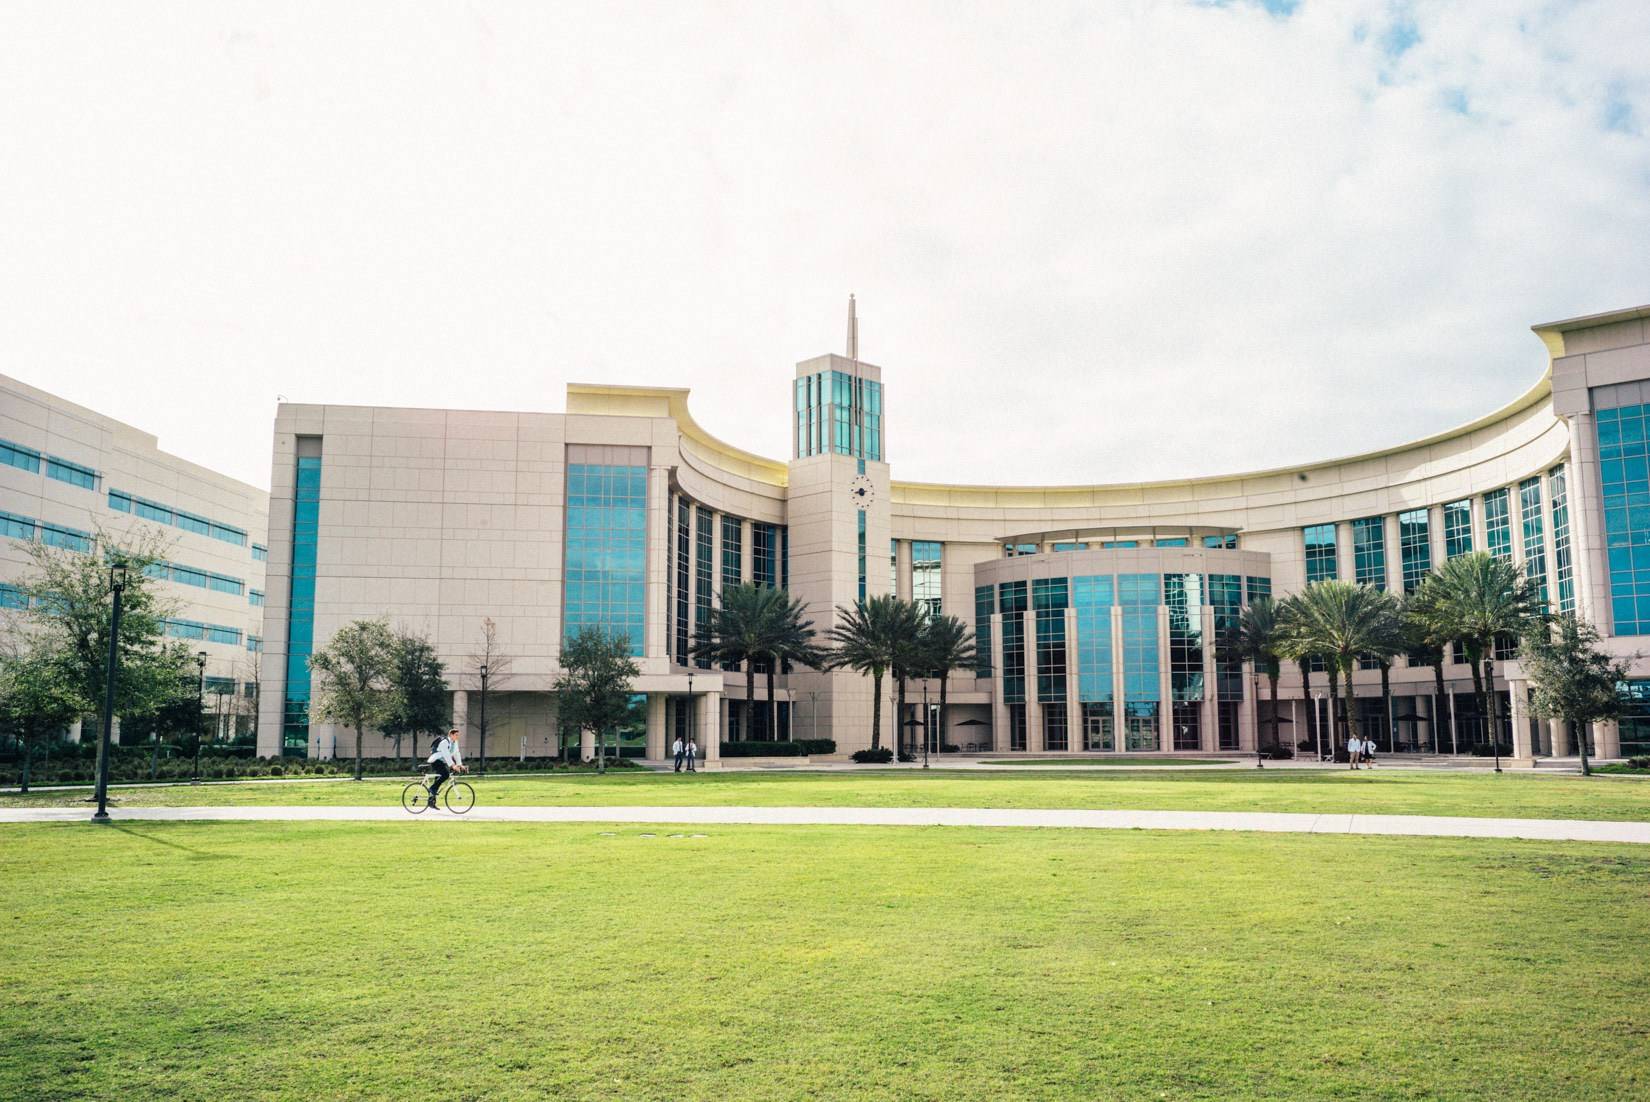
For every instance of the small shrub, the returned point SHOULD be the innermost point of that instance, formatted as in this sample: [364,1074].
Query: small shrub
[1639,762]
[817,745]
[880,756]
[1488,749]
[1278,753]
[762,750]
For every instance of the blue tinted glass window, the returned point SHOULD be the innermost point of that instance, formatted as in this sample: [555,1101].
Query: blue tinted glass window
[17,527]
[1414,547]
[1497,524]
[1369,552]
[1457,528]
[306,516]
[1563,570]
[16,455]
[72,473]
[605,582]
[1091,598]
[984,605]
[1320,552]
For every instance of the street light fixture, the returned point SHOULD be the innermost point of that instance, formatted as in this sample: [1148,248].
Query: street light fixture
[200,704]
[117,586]
[1254,694]
[484,717]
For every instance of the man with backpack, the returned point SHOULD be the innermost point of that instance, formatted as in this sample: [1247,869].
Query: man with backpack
[445,760]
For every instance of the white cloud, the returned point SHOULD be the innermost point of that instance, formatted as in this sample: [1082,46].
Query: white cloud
[1091,242]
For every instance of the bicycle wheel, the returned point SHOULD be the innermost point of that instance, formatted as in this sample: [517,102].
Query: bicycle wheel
[415,798]
[459,797]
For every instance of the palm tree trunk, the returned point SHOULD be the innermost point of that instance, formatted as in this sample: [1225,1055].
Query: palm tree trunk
[750,700]
[1272,686]
[1439,693]
[358,737]
[1489,692]
[876,710]
[1351,704]
[28,755]
[1478,686]
[773,707]
[939,741]
[1306,695]
[899,717]
[1334,705]
[1386,701]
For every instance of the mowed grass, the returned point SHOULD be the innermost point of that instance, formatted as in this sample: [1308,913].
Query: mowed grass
[1384,792]
[1133,763]
[220,961]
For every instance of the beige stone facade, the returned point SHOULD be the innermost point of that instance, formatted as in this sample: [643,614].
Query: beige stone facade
[441,518]
[70,472]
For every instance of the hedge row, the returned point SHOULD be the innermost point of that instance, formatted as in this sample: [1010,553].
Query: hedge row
[132,767]
[763,750]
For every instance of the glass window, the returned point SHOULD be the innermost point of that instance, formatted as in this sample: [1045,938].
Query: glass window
[1257,588]
[893,566]
[733,550]
[1054,726]
[1139,596]
[306,520]
[12,597]
[16,455]
[1097,727]
[1011,604]
[683,571]
[1533,533]
[1624,474]
[1048,601]
[1497,524]
[18,528]
[926,571]
[119,502]
[72,473]
[704,541]
[70,539]
[123,502]
[1634,725]
[1369,551]
[1226,542]
[1563,571]
[260,552]
[984,603]
[1012,550]
[862,565]
[255,598]
[1226,597]
[1414,547]
[1320,552]
[1457,528]
[1119,544]
[1178,541]
[1183,594]
[764,554]
[1091,597]
[606,555]
[1070,546]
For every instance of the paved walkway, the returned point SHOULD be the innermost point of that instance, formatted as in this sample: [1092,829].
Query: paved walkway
[1577,830]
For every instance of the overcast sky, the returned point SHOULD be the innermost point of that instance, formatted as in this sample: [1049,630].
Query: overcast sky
[1091,243]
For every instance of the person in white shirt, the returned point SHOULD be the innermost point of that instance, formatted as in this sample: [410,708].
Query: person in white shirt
[692,753]
[676,749]
[1354,748]
[445,760]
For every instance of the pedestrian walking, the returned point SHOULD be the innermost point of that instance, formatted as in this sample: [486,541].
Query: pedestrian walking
[678,751]
[692,753]
[1354,750]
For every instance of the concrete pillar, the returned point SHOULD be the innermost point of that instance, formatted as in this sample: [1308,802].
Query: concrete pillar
[1074,706]
[1394,553]
[1117,688]
[656,740]
[1209,727]
[1345,566]
[587,745]
[74,731]
[999,708]
[1165,684]
[708,711]
[1436,548]
[461,710]
[1562,747]
[114,731]
[1607,738]
[747,557]
[1519,713]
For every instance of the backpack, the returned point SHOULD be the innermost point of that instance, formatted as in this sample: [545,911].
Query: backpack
[435,744]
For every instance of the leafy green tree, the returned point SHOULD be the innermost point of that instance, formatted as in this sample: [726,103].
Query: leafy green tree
[1258,638]
[1573,680]
[946,645]
[70,605]
[355,671]
[1344,622]
[593,692]
[871,636]
[1474,599]
[418,698]
[35,697]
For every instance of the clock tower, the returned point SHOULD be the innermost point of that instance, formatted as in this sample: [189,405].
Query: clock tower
[837,509]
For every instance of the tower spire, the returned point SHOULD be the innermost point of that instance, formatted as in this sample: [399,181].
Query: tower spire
[853,334]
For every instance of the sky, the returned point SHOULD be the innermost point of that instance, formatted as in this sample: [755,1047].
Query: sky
[1090,242]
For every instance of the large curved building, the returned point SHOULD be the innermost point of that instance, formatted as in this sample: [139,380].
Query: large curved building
[1096,608]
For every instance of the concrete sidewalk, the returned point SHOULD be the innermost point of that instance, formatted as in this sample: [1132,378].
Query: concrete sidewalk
[1569,830]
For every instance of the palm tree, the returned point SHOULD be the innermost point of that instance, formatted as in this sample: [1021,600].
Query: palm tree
[909,661]
[946,645]
[1258,638]
[744,629]
[1343,622]
[790,639]
[1474,598]
[870,636]
[1424,645]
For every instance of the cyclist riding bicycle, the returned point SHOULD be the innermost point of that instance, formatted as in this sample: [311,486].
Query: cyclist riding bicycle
[444,760]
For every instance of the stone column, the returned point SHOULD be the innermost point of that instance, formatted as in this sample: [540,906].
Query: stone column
[587,744]
[1119,704]
[74,731]
[1561,739]
[708,709]
[747,552]
[656,740]
[114,731]
[1074,706]
[1345,566]
[1519,714]
[1209,733]
[1607,739]
[1165,683]
[999,707]
[461,711]
[1436,548]
[1393,537]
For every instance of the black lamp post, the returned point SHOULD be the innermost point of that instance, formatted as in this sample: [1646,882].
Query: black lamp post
[1254,694]
[117,586]
[692,708]
[200,704]
[925,719]
[484,717]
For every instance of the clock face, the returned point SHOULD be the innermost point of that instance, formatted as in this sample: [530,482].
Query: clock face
[862,492]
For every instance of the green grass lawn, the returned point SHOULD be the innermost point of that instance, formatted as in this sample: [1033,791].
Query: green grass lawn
[1130,762]
[1393,792]
[187,961]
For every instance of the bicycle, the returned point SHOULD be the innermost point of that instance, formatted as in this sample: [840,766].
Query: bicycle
[456,795]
